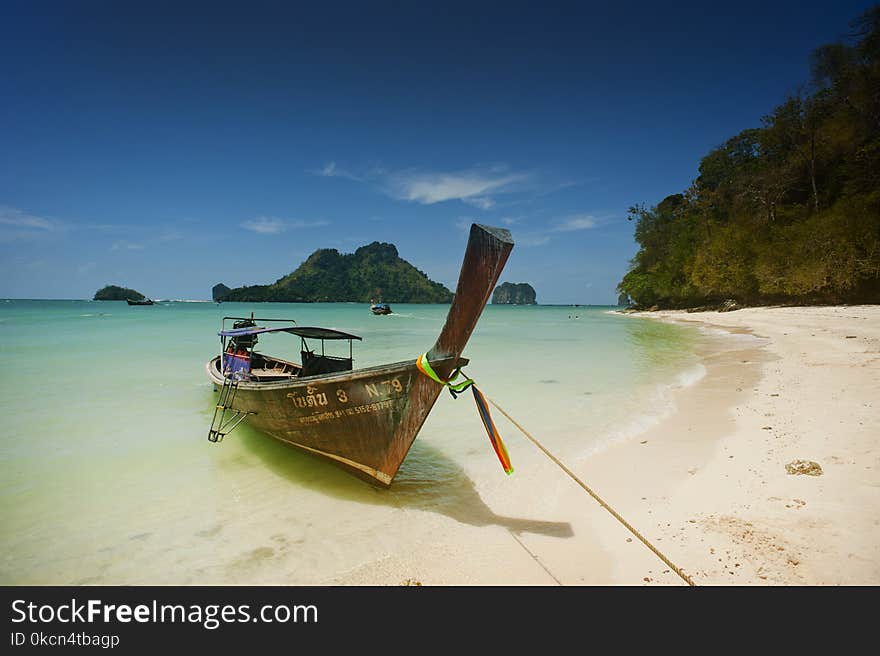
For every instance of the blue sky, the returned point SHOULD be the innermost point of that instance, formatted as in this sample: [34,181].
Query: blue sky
[171,146]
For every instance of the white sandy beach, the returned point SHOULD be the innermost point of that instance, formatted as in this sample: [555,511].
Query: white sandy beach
[708,485]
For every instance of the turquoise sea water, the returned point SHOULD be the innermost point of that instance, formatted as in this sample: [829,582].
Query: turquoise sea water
[107,475]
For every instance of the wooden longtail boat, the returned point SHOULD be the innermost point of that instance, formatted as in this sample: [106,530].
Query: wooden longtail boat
[363,420]
[146,301]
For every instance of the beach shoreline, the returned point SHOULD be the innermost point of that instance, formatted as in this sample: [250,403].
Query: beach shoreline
[684,431]
[708,485]
[734,515]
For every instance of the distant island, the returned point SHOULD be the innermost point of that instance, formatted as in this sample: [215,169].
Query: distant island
[509,293]
[116,293]
[372,272]
[219,290]
[788,212]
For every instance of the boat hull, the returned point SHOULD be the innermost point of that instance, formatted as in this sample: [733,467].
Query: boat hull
[364,421]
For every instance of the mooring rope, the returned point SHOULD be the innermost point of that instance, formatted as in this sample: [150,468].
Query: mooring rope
[424,366]
[687,579]
[534,557]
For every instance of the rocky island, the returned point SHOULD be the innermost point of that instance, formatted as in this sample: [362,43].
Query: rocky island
[116,293]
[509,293]
[219,290]
[374,271]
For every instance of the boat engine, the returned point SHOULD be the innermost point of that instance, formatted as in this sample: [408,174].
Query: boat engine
[245,342]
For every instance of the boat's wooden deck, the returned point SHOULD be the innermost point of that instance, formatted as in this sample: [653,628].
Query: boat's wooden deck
[261,374]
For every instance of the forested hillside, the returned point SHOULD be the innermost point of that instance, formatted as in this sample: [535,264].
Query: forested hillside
[788,212]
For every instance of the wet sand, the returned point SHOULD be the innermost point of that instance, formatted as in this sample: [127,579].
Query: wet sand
[708,485]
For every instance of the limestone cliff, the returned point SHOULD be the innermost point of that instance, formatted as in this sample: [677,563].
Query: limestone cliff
[508,293]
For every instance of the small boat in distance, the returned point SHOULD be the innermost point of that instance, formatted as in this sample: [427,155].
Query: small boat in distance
[146,301]
[363,420]
[380,308]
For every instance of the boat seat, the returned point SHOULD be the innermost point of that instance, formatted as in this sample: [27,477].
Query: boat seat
[270,373]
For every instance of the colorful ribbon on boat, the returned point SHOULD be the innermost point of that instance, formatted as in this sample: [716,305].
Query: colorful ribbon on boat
[482,406]
[425,367]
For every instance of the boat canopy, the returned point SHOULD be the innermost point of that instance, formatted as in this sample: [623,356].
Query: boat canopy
[307,332]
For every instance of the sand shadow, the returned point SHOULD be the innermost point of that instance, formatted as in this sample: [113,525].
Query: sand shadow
[428,480]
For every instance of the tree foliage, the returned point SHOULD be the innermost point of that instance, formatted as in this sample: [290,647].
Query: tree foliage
[786,212]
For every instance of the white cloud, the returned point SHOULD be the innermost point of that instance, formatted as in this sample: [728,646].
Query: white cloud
[264,225]
[13,217]
[470,186]
[545,235]
[532,240]
[299,223]
[125,246]
[573,223]
[482,202]
[15,224]
[330,170]
[271,225]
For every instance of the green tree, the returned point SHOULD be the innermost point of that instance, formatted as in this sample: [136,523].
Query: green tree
[786,212]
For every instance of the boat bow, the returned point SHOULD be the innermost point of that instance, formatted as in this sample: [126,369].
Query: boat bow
[487,251]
